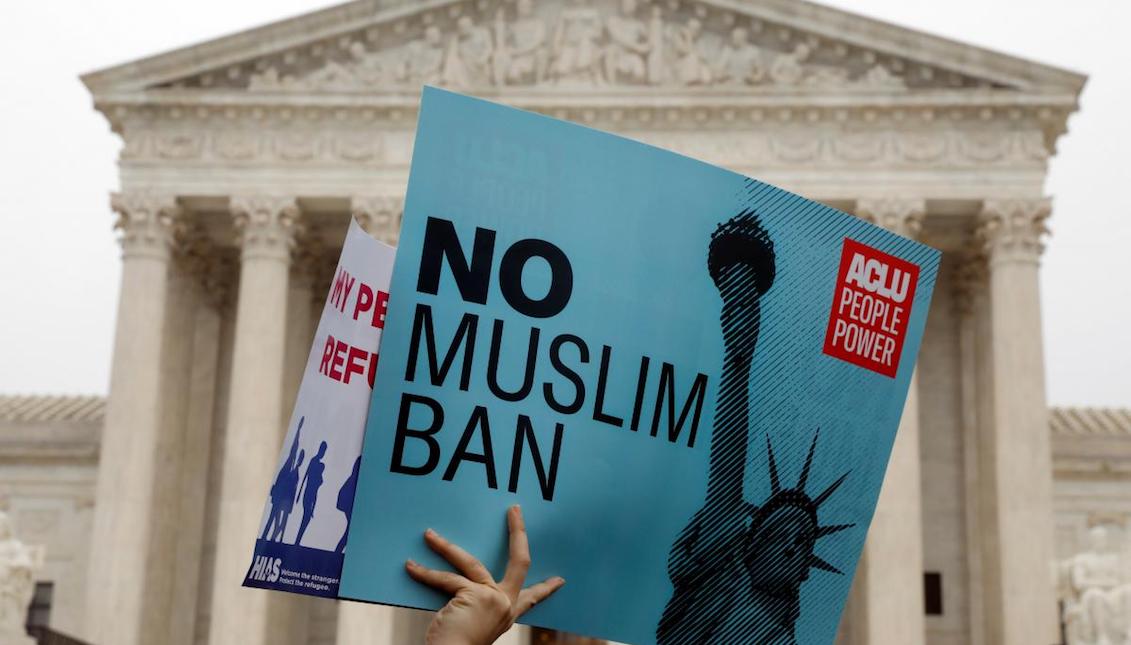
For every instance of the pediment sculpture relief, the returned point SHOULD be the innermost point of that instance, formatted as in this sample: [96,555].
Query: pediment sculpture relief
[584,43]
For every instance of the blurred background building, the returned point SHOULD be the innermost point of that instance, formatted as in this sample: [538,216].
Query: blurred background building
[244,157]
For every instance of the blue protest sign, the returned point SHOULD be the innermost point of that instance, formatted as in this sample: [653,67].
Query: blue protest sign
[689,380]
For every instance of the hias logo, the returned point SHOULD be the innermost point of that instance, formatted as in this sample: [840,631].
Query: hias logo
[265,569]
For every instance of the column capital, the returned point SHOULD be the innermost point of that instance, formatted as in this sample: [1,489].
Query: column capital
[322,276]
[307,258]
[266,225]
[1013,229]
[147,223]
[192,248]
[208,264]
[900,215]
[379,215]
[970,276]
[218,279]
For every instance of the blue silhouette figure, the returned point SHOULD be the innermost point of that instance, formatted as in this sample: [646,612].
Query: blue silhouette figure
[287,497]
[283,490]
[345,502]
[311,482]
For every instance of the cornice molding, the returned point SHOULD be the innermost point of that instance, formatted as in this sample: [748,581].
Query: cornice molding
[771,139]
[1006,113]
[326,26]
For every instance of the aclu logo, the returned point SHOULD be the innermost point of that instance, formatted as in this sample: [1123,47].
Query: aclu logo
[871,308]
[265,569]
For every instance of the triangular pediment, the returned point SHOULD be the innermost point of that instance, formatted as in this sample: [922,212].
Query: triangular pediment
[752,47]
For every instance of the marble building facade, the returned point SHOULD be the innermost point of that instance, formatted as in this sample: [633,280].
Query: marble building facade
[49,452]
[244,157]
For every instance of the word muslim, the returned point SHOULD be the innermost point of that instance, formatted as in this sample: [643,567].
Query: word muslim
[445,347]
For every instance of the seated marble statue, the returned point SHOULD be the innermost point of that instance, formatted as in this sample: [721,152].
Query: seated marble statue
[1098,606]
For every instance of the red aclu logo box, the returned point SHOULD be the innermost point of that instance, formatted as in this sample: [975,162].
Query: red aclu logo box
[871,307]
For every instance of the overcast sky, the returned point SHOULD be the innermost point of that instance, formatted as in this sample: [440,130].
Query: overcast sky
[59,262]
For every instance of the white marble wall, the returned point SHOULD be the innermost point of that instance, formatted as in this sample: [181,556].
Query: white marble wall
[47,474]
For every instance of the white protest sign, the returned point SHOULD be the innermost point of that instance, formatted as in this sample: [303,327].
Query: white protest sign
[302,533]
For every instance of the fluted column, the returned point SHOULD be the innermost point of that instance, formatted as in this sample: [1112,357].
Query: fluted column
[974,346]
[380,216]
[302,314]
[200,265]
[888,588]
[266,227]
[370,624]
[1021,599]
[129,465]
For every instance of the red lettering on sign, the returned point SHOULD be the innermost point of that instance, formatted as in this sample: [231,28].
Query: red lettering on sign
[340,361]
[364,300]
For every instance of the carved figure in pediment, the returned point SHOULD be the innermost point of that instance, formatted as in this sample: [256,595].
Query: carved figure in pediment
[826,76]
[691,66]
[656,56]
[468,61]
[576,53]
[629,45]
[467,58]
[521,55]
[374,68]
[425,60]
[333,75]
[740,61]
[880,76]
[787,69]
[628,42]
[268,79]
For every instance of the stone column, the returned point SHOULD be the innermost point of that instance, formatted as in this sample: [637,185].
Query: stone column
[358,623]
[171,526]
[370,624]
[302,317]
[129,466]
[266,227]
[1021,599]
[380,216]
[293,613]
[888,588]
[202,264]
[972,306]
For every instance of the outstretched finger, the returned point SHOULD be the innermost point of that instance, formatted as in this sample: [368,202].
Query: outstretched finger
[445,581]
[519,562]
[535,594]
[463,561]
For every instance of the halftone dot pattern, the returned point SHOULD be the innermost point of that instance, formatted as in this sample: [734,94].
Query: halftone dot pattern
[749,563]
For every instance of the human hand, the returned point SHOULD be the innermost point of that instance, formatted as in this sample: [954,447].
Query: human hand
[481,609]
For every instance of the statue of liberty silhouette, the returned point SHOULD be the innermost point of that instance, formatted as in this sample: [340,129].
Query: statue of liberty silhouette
[311,483]
[283,490]
[737,568]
